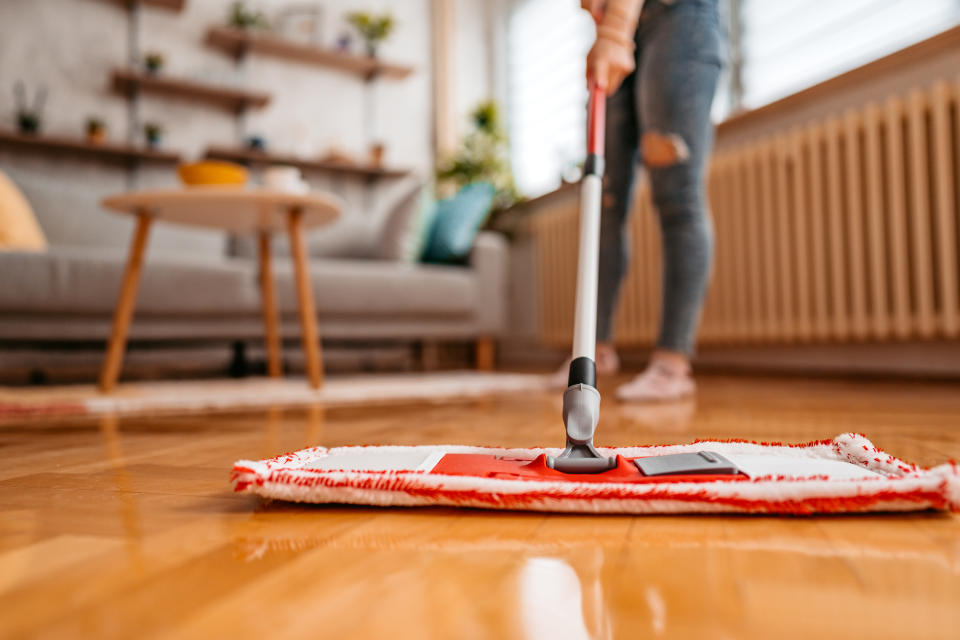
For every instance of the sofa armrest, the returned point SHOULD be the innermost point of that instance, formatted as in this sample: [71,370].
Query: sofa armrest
[489,261]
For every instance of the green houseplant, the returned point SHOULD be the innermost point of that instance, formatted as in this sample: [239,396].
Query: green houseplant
[29,117]
[153,133]
[96,129]
[242,17]
[483,156]
[372,28]
[153,62]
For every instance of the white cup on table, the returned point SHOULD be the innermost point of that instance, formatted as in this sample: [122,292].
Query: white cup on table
[286,179]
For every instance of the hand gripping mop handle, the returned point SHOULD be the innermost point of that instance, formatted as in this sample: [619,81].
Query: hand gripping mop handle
[581,400]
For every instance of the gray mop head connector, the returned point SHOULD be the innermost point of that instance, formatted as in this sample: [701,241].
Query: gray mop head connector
[581,413]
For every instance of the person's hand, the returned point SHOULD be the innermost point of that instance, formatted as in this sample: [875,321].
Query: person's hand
[595,8]
[609,62]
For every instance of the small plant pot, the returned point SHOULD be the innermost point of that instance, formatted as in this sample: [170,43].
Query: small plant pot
[344,43]
[256,143]
[377,151]
[371,49]
[96,136]
[153,68]
[28,123]
[153,141]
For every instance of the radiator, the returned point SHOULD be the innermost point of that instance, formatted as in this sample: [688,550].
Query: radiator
[841,230]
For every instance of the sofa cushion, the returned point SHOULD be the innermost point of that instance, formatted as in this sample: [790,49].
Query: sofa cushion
[87,280]
[404,232]
[456,223]
[372,287]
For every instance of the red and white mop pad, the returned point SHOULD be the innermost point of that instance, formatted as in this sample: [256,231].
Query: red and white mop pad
[844,475]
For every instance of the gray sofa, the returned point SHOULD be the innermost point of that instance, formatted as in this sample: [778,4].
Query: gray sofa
[193,291]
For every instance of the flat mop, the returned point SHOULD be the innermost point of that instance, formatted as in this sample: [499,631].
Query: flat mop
[846,474]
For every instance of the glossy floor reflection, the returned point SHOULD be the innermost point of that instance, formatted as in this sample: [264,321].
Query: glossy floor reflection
[126,528]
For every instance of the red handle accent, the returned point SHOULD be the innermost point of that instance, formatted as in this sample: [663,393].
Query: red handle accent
[596,114]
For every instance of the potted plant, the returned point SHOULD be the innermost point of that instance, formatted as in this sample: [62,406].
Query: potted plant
[377,150]
[483,156]
[373,29]
[96,130]
[242,17]
[29,118]
[153,133]
[153,62]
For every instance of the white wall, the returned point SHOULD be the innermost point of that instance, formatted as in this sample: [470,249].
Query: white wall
[70,46]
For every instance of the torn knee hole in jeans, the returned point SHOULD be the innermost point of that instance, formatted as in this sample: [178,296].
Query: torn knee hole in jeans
[663,149]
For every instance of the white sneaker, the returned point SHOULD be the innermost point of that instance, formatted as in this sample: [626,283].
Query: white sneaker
[659,383]
[607,365]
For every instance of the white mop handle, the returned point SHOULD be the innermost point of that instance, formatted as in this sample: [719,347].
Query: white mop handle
[585,319]
[591,191]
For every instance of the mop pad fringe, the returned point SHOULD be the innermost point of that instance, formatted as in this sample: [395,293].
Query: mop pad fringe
[893,485]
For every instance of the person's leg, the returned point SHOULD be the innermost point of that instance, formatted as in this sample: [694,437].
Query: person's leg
[677,80]
[621,144]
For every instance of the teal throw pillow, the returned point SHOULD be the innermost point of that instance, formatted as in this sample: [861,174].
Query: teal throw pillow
[456,221]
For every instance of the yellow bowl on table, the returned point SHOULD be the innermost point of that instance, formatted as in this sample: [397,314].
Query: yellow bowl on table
[212,172]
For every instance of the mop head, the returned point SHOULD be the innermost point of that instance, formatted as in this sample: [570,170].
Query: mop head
[844,475]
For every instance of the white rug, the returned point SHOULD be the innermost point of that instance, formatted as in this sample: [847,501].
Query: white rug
[200,395]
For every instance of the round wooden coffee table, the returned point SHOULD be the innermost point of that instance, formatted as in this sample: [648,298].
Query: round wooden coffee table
[237,210]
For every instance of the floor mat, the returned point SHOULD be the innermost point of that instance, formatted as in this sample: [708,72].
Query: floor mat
[845,475]
[201,395]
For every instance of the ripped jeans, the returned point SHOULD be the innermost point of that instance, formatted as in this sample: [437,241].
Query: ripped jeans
[663,110]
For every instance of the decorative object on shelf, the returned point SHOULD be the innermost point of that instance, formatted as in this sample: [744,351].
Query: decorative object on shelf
[153,62]
[373,29]
[96,130]
[285,178]
[242,17]
[376,152]
[337,155]
[29,117]
[153,133]
[256,143]
[483,157]
[301,22]
[212,172]
[344,42]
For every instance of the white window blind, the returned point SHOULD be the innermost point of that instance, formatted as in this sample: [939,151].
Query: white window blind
[791,44]
[547,44]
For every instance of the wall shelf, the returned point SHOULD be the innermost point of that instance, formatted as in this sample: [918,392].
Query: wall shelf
[169,5]
[239,42]
[236,100]
[54,145]
[260,158]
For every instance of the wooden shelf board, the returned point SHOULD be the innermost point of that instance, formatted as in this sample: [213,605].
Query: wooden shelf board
[238,42]
[169,5]
[125,81]
[104,151]
[248,156]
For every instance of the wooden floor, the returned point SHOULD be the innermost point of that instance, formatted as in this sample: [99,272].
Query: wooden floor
[126,528]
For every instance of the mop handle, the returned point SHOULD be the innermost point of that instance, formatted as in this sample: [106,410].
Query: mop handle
[596,116]
[591,192]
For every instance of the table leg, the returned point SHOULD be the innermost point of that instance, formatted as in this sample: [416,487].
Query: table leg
[269,300]
[308,314]
[485,350]
[123,311]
